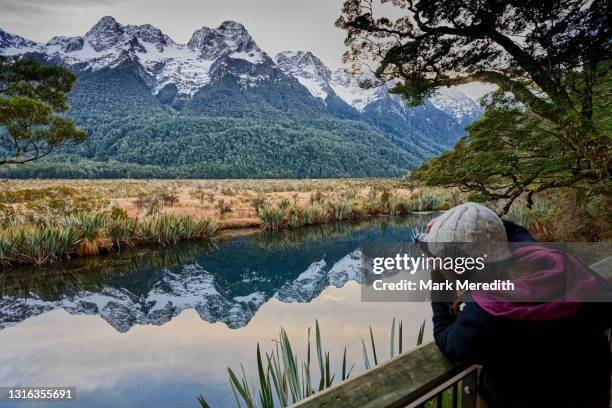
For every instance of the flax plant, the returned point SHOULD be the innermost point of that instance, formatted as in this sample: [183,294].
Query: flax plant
[284,380]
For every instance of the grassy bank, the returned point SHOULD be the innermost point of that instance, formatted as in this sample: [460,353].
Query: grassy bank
[94,234]
[47,221]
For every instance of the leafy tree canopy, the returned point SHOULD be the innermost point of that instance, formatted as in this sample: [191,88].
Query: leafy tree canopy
[509,151]
[550,55]
[32,96]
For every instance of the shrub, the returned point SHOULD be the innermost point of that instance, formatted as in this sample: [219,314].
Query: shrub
[316,197]
[343,210]
[295,218]
[92,233]
[259,201]
[42,245]
[400,205]
[284,204]
[427,202]
[118,213]
[122,231]
[373,205]
[206,227]
[271,218]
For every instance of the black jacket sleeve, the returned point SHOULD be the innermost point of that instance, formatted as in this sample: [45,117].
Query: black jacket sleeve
[463,337]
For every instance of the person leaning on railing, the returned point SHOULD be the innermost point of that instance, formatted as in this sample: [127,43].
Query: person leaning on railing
[533,354]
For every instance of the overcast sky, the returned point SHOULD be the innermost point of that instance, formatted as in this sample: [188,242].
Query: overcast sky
[276,25]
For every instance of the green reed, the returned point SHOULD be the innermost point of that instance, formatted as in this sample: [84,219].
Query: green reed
[283,380]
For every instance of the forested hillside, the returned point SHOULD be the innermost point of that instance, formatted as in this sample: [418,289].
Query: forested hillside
[226,110]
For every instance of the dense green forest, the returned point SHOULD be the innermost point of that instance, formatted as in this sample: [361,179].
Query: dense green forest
[227,130]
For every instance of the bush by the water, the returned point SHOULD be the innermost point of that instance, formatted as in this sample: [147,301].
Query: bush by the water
[350,206]
[93,233]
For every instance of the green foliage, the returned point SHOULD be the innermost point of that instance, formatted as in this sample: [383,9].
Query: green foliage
[283,380]
[31,96]
[539,213]
[427,202]
[272,218]
[343,210]
[153,202]
[508,152]
[118,213]
[556,132]
[315,214]
[37,245]
[92,233]
[349,206]
[238,133]
[259,201]
[401,205]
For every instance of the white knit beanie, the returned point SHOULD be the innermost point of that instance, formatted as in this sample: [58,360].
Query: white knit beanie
[469,222]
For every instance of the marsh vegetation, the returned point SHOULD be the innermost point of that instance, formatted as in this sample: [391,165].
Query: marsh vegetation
[46,221]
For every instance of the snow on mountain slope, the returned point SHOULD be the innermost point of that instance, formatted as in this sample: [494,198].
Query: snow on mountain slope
[348,88]
[456,103]
[321,82]
[228,48]
[11,44]
[109,44]
[308,70]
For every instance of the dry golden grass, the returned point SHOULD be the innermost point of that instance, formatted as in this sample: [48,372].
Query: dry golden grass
[228,201]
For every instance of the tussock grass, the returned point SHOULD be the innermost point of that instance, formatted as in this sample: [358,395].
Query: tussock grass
[272,218]
[349,206]
[38,215]
[92,234]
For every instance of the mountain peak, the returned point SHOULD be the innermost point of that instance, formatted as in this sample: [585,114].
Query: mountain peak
[457,104]
[230,25]
[150,34]
[105,33]
[10,41]
[309,70]
[229,37]
[106,23]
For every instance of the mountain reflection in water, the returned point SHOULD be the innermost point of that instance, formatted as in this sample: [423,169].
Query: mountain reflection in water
[112,326]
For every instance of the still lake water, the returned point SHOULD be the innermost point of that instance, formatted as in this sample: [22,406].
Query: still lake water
[157,327]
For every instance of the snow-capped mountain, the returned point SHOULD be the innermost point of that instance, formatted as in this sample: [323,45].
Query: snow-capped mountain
[191,66]
[321,82]
[188,66]
[439,122]
[454,102]
[140,72]
[309,71]
[13,44]
[191,287]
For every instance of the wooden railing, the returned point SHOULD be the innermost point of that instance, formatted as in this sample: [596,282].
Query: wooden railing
[413,379]
[407,380]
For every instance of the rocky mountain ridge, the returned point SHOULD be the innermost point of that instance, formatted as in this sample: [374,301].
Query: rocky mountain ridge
[192,65]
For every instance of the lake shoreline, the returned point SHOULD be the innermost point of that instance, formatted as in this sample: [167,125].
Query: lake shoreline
[222,233]
[45,222]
